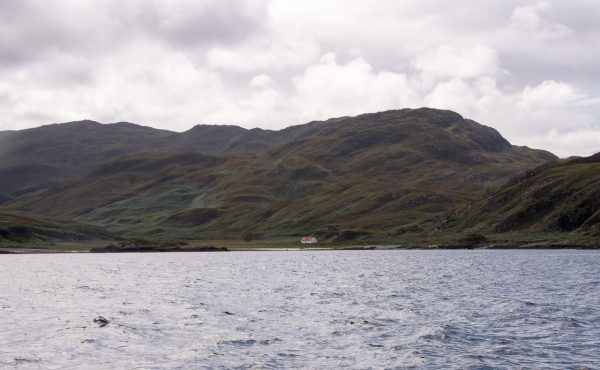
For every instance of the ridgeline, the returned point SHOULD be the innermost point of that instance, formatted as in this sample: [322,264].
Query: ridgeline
[410,175]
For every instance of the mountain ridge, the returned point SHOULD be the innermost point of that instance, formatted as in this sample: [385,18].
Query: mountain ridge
[380,174]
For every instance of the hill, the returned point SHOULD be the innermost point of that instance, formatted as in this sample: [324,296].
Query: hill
[558,200]
[379,175]
[18,229]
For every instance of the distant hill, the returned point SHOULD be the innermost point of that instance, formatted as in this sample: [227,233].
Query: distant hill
[380,174]
[55,152]
[560,197]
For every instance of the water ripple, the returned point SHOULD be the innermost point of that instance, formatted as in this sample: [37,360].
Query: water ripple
[354,309]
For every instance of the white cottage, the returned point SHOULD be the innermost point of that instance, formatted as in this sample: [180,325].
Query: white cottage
[308,240]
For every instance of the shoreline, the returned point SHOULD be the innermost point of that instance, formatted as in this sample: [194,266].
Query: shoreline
[369,247]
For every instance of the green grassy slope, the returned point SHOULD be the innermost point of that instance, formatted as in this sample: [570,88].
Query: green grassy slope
[557,200]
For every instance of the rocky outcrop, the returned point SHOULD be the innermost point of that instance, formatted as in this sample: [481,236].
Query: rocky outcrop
[101,321]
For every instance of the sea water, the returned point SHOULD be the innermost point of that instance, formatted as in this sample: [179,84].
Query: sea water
[301,309]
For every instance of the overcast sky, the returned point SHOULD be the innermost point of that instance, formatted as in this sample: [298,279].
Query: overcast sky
[531,69]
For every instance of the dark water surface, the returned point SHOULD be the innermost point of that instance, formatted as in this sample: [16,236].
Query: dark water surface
[300,309]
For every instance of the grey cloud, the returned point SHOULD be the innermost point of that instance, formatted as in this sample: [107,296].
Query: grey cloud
[581,15]
[214,21]
[177,62]
[30,29]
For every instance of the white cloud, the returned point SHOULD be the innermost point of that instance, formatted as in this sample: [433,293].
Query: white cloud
[530,17]
[527,69]
[549,94]
[538,113]
[567,143]
[447,62]
[262,56]
[261,80]
[329,89]
[454,94]
[588,102]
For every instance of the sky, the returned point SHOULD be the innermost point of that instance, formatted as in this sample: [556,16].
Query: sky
[530,69]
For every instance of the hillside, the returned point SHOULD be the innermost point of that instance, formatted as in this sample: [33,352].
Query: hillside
[52,153]
[49,153]
[16,229]
[380,174]
[558,200]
